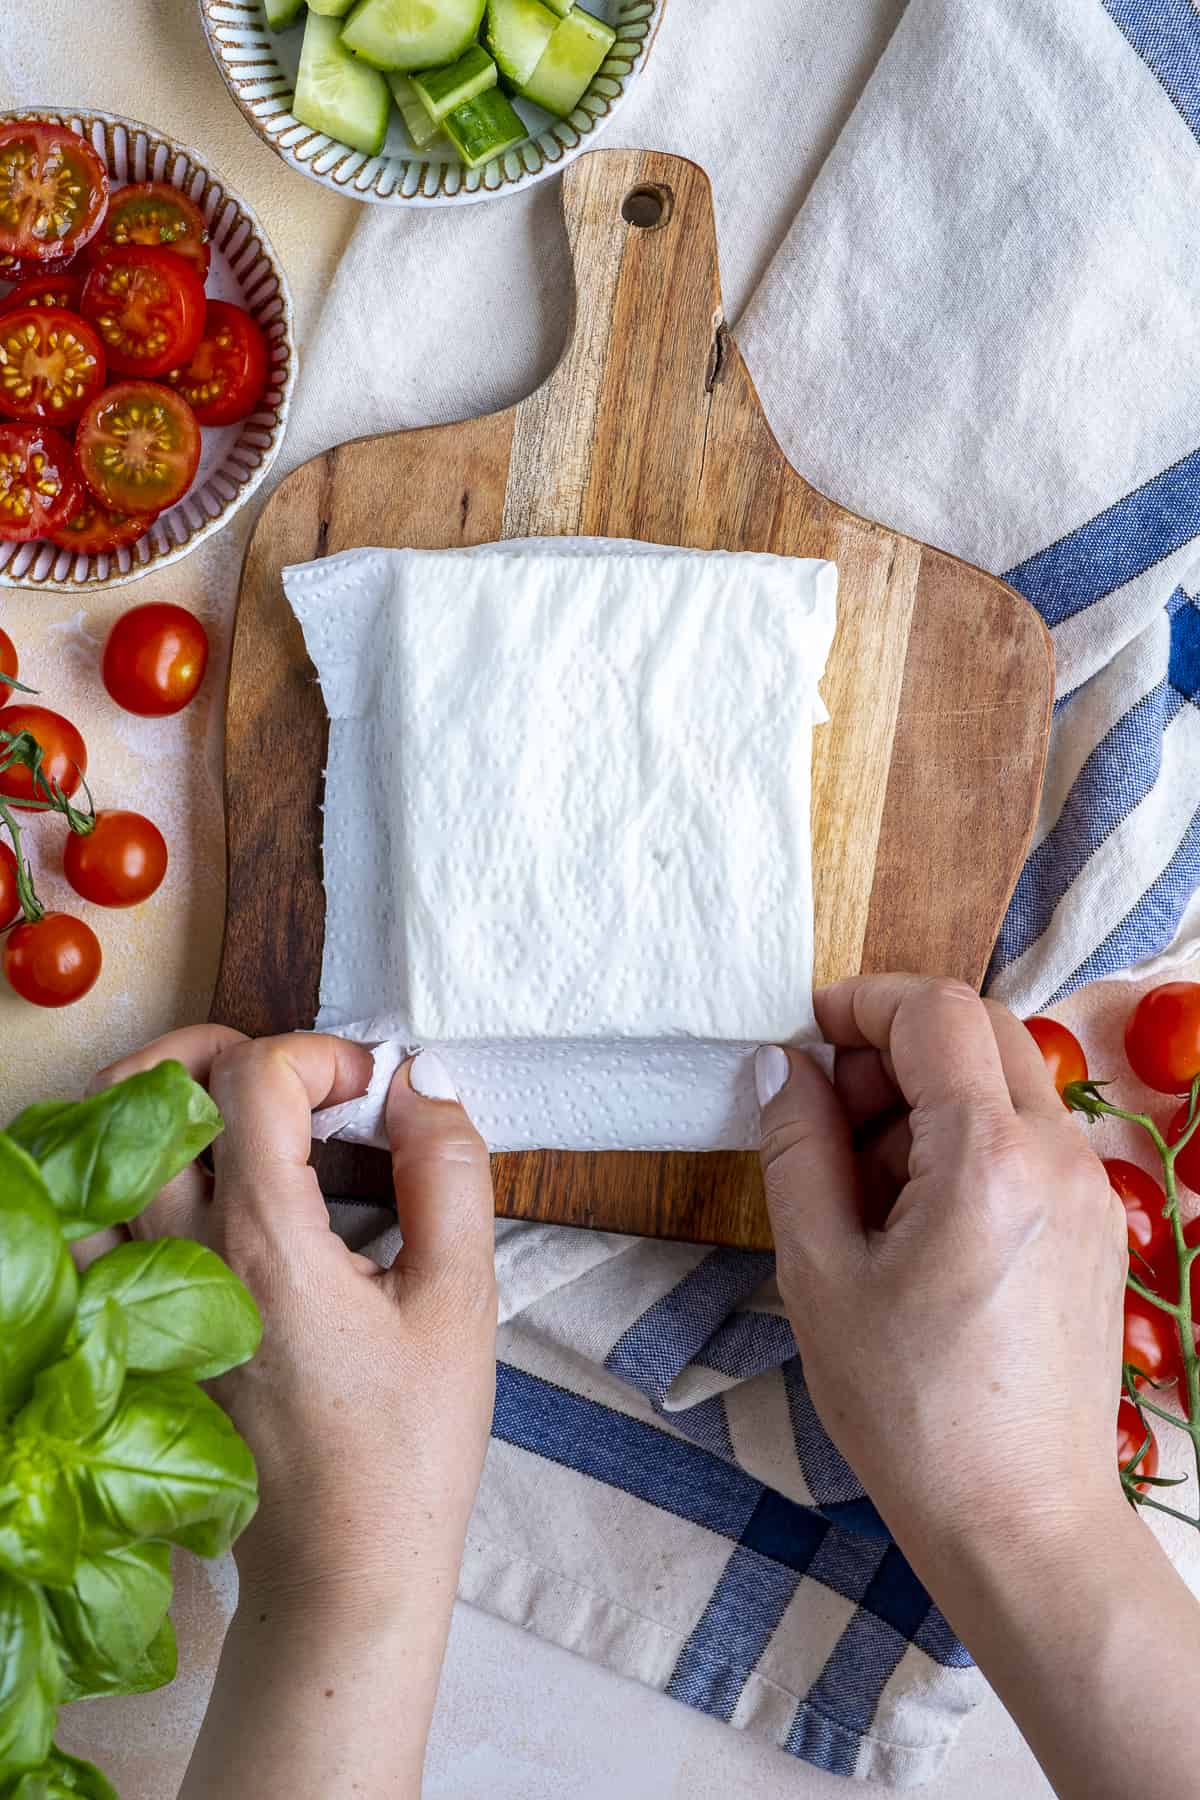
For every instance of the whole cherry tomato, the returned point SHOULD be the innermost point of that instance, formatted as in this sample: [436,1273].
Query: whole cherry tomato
[8,663]
[1150,1236]
[1061,1051]
[1162,1038]
[119,862]
[53,960]
[1151,1341]
[1187,1163]
[10,904]
[1131,1435]
[155,659]
[64,753]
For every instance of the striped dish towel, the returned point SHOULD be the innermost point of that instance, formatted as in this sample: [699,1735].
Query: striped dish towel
[979,327]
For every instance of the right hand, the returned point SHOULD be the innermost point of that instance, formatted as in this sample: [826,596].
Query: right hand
[955,1286]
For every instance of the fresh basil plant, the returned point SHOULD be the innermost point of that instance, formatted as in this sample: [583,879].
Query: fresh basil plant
[110,1452]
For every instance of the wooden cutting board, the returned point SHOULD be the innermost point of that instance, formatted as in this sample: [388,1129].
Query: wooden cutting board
[925,784]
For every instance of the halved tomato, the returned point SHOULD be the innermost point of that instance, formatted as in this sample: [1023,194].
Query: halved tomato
[44,290]
[148,306]
[94,529]
[53,191]
[51,364]
[227,376]
[39,482]
[138,446]
[155,213]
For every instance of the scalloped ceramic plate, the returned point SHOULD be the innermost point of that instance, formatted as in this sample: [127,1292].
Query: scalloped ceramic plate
[259,67]
[235,458]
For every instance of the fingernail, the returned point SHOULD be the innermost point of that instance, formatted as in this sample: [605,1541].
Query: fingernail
[771,1071]
[429,1077]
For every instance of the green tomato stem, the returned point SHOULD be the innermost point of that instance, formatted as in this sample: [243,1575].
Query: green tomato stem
[31,906]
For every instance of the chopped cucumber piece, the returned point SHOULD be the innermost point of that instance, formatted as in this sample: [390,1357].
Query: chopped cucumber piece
[338,94]
[330,9]
[412,34]
[485,127]
[561,7]
[518,32]
[420,127]
[281,13]
[441,90]
[569,62]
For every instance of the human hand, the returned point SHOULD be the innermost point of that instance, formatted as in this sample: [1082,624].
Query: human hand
[955,1282]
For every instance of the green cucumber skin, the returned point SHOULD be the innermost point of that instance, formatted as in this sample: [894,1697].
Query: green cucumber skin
[367,33]
[561,7]
[485,127]
[518,32]
[330,9]
[441,90]
[281,13]
[359,115]
[570,62]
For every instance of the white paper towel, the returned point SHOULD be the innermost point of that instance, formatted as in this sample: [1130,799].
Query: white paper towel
[567,827]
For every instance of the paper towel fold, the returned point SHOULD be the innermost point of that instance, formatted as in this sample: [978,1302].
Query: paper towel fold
[567,836]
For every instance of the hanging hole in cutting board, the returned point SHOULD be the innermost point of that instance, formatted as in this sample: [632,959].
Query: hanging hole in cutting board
[648,208]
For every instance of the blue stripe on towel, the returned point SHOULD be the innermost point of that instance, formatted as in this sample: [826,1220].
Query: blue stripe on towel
[669,1334]
[1166,35]
[1132,535]
[1183,671]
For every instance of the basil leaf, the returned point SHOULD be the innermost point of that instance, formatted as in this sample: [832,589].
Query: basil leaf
[155,1667]
[41,1524]
[64,1778]
[30,1682]
[78,1394]
[38,1285]
[105,1158]
[185,1310]
[109,1618]
[168,1464]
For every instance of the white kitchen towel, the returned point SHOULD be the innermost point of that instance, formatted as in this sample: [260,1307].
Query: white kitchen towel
[566,826]
[978,328]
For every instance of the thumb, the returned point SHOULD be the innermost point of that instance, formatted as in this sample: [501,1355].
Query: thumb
[442,1174]
[807,1161]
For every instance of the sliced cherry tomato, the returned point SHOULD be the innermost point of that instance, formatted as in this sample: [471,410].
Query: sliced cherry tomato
[138,446]
[1061,1051]
[1162,1038]
[1150,1236]
[39,482]
[148,306]
[227,376]
[53,191]
[51,364]
[8,664]
[10,903]
[44,290]
[64,753]
[119,863]
[155,213]
[94,529]
[13,268]
[1151,1342]
[155,659]
[1131,1435]
[52,961]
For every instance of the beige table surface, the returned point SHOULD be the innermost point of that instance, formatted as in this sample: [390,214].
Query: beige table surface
[517,1719]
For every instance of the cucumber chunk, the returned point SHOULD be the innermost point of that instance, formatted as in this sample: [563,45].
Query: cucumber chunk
[330,9]
[441,90]
[485,127]
[569,62]
[561,7]
[336,93]
[518,32]
[281,13]
[412,34]
[422,130]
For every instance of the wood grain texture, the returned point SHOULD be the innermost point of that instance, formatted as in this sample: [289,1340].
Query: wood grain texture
[925,784]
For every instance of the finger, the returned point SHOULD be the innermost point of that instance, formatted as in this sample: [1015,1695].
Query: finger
[443,1176]
[865,1086]
[1029,1080]
[807,1162]
[938,1033]
[267,1091]
[884,1170]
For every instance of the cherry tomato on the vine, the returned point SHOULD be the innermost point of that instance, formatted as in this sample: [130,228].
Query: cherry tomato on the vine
[1151,1341]
[155,659]
[53,960]
[1162,1038]
[1061,1051]
[1150,1236]
[1131,1435]
[64,753]
[10,903]
[53,191]
[1187,1163]
[119,862]
[8,663]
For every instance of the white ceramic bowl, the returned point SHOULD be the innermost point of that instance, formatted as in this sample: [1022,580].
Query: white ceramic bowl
[234,458]
[259,67]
